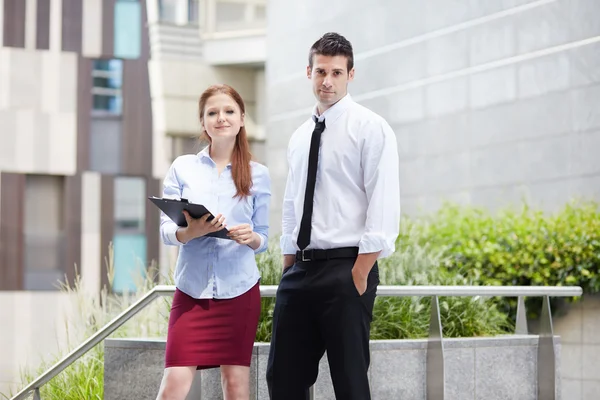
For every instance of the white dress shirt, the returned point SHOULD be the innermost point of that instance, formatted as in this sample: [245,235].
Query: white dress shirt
[357,192]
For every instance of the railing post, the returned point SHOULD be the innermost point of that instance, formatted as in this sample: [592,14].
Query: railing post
[435,354]
[546,371]
[521,322]
[36,394]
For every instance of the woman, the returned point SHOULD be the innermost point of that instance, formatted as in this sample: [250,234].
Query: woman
[216,305]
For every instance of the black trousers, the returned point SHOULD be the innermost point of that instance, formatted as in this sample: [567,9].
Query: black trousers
[318,309]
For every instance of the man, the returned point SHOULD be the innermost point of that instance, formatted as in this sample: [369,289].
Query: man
[341,212]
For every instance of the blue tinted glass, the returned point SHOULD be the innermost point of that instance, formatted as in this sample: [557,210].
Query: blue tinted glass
[129,261]
[128,29]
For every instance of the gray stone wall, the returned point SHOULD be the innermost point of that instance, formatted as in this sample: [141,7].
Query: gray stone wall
[579,328]
[491,101]
[475,369]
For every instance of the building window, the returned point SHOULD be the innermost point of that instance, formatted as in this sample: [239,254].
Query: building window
[107,87]
[128,29]
[129,237]
[180,12]
[44,232]
[106,129]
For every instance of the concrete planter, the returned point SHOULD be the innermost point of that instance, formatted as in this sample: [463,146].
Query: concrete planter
[500,368]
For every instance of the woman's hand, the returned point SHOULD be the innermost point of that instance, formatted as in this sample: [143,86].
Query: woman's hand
[197,227]
[243,234]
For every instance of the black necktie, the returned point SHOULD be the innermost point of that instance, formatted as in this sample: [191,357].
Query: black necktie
[311,180]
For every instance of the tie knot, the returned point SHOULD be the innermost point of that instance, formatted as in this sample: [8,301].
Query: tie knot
[320,126]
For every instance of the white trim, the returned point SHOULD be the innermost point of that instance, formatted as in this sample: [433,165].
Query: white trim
[431,35]
[92,28]
[1,22]
[453,75]
[56,25]
[30,24]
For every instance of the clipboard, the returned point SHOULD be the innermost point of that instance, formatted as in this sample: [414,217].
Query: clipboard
[173,208]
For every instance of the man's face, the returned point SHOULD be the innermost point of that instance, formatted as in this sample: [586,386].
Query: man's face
[330,77]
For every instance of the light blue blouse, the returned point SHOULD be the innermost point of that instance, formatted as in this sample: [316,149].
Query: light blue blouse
[210,267]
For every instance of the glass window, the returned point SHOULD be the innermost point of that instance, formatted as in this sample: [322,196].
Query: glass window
[105,144]
[178,11]
[128,29]
[107,76]
[129,237]
[44,235]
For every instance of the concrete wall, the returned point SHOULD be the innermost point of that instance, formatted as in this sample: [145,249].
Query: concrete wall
[578,326]
[491,101]
[476,368]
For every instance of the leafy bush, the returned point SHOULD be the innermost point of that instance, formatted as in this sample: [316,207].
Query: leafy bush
[516,247]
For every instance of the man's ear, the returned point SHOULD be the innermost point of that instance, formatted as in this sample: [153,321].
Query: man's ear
[308,71]
[351,74]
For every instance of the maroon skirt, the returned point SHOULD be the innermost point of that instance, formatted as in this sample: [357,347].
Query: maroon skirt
[208,333]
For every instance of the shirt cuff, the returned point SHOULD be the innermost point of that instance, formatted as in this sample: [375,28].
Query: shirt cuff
[262,247]
[287,245]
[170,235]
[374,242]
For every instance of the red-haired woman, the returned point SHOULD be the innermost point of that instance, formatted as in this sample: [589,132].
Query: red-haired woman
[216,305]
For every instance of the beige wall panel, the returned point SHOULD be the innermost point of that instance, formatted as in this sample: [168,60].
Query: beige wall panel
[63,143]
[67,76]
[27,146]
[30,24]
[24,78]
[56,25]
[51,81]
[4,74]
[90,232]
[92,28]
[8,137]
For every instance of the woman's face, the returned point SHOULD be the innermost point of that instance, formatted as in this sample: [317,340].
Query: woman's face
[222,118]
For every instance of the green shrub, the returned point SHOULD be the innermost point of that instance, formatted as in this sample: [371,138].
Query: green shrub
[516,247]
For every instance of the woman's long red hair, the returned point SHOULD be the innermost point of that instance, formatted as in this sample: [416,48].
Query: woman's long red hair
[241,157]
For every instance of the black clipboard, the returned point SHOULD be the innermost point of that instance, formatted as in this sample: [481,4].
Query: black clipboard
[173,208]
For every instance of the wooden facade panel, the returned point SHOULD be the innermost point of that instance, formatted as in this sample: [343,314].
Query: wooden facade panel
[12,203]
[72,18]
[72,214]
[14,23]
[42,31]
[108,28]
[84,109]
[107,224]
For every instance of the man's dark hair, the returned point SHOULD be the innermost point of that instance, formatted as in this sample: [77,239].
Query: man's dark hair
[332,44]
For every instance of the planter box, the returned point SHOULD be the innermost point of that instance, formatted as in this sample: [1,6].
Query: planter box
[500,368]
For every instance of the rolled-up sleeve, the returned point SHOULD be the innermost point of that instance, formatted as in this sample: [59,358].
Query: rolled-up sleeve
[382,186]
[260,215]
[288,223]
[171,190]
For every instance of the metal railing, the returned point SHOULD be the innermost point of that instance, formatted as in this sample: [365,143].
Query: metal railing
[435,347]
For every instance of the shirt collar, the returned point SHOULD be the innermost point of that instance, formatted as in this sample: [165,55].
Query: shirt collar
[333,112]
[204,155]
